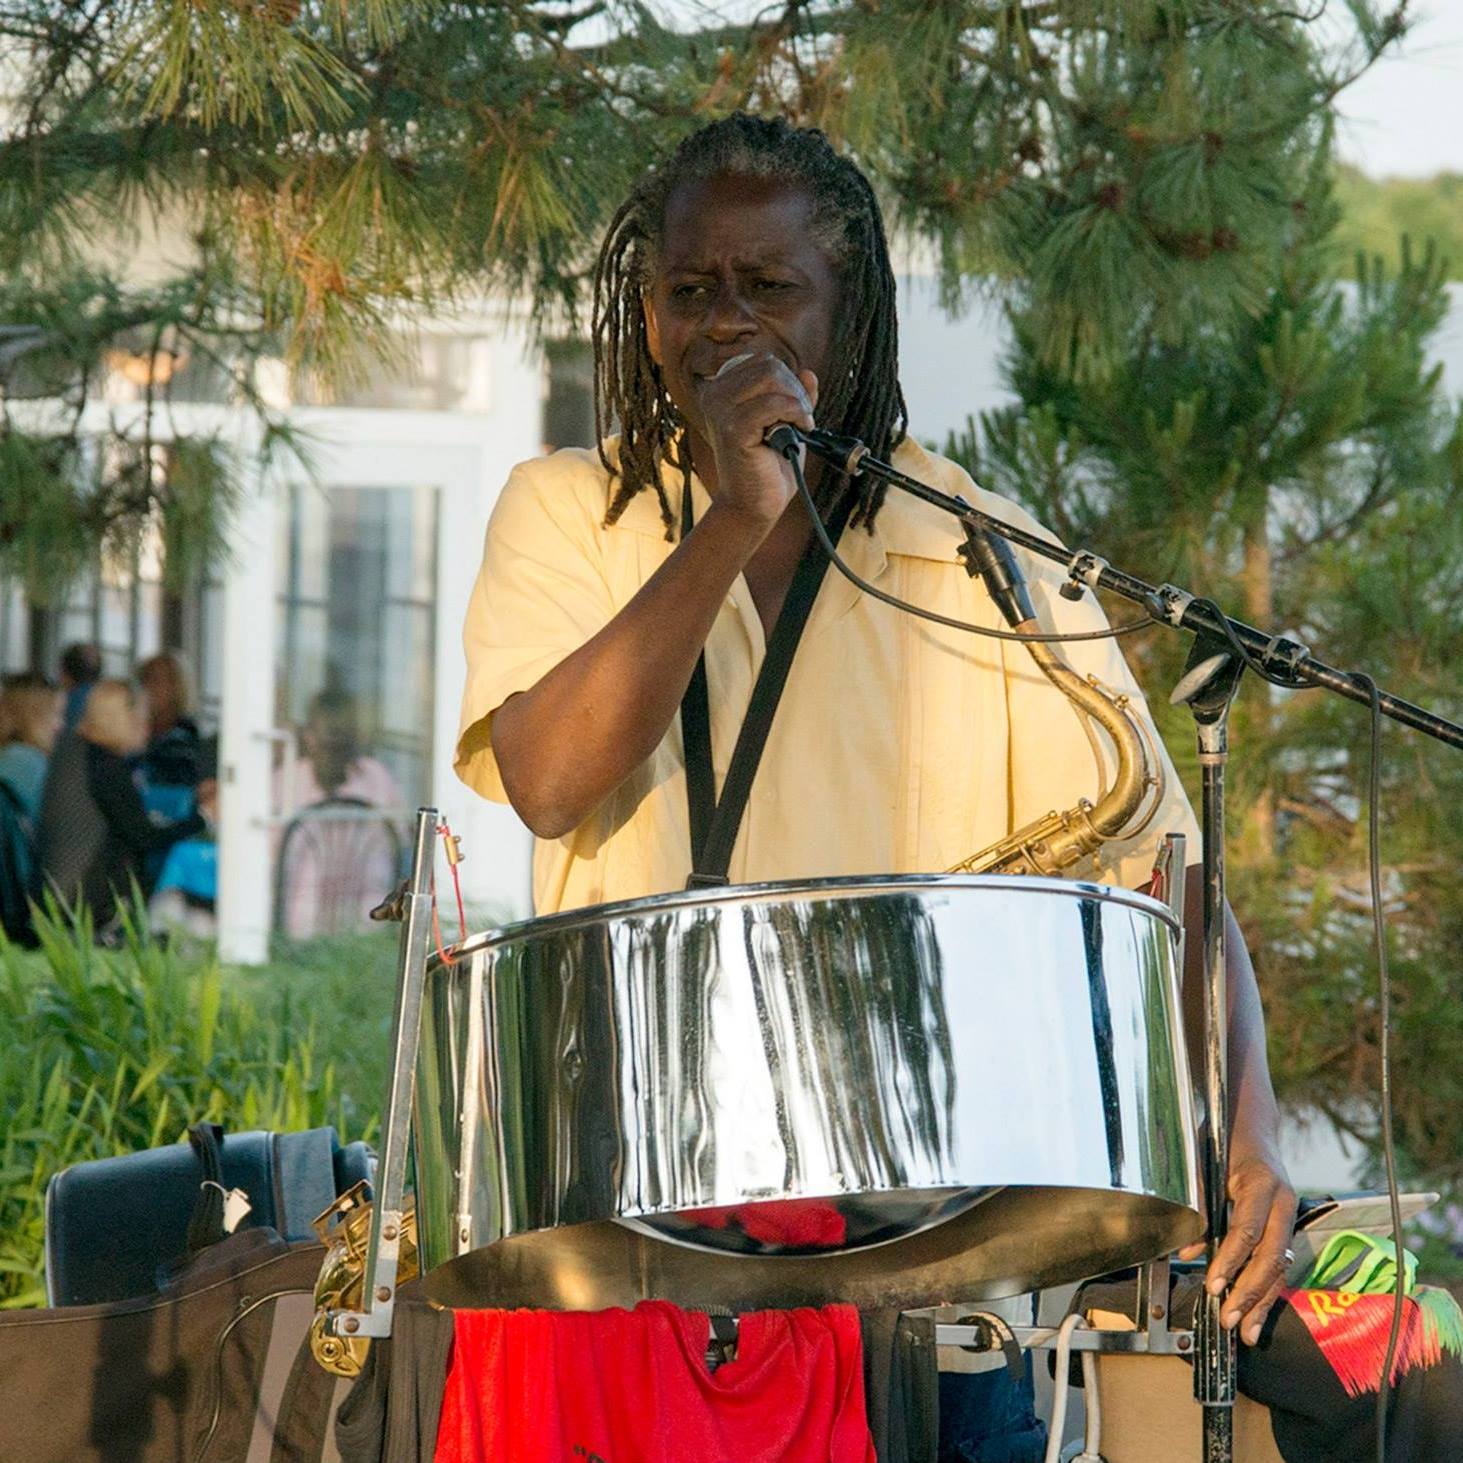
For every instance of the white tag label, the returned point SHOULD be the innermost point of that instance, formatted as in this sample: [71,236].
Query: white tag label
[236,1206]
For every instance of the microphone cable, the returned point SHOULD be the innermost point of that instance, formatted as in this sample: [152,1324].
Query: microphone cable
[1389,1151]
[852,575]
[1374,795]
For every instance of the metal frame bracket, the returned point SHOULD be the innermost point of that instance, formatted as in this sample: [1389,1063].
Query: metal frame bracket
[384,1247]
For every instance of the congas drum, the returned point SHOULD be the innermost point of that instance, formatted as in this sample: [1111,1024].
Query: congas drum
[886,1091]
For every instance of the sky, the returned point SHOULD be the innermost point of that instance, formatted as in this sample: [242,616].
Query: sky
[1404,118]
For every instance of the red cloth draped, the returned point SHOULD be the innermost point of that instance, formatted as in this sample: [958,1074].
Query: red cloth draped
[623,1386]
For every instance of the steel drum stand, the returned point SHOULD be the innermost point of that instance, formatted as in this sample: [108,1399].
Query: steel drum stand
[413,906]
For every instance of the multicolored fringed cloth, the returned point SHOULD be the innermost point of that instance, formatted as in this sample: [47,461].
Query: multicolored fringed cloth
[1318,1365]
[1351,1332]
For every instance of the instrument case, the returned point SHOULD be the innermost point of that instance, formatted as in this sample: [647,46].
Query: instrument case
[216,1368]
[115,1226]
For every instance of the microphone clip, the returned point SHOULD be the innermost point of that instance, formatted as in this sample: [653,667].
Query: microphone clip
[1084,571]
[844,453]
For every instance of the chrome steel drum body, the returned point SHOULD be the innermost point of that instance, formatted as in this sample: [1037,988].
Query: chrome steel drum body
[970,1086]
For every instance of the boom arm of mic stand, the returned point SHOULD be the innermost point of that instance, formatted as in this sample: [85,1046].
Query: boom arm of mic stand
[1165,603]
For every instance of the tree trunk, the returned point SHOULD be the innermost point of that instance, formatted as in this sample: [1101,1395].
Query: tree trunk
[39,636]
[1259,594]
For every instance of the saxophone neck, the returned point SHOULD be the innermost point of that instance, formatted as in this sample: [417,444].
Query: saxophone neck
[1117,806]
[1057,841]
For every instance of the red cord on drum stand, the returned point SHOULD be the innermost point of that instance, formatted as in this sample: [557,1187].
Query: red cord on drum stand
[453,847]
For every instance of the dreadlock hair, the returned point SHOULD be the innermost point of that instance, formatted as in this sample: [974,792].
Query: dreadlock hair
[861,397]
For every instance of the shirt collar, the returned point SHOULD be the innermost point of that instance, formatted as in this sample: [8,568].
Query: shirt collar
[908,526]
[904,526]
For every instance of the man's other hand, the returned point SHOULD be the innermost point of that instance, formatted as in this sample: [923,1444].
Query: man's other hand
[1254,1256]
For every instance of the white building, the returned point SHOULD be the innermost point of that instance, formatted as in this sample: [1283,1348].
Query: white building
[356,575]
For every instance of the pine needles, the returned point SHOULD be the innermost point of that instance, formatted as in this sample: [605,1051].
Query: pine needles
[317,171]
[1296,456]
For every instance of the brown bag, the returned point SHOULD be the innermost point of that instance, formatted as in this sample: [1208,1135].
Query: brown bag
[215,1369]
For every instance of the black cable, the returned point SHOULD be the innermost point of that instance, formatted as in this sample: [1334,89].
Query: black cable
[1384,981]
[1111,633]
[216,1376]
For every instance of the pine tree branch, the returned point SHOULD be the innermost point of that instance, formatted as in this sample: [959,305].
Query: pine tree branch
[565,21]
[1319,813]
[15,27]
[62,58]
[579,63]
[1389,34]
[1378,493]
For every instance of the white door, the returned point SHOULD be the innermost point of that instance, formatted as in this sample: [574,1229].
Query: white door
[357,581]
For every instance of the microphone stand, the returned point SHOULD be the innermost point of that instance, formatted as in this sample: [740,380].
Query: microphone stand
[1209,688]
[1165,602]
[1209,685]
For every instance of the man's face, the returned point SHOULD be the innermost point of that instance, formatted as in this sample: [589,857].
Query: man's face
[739,272]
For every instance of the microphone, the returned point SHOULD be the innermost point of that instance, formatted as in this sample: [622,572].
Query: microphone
[989,555]
[845,453]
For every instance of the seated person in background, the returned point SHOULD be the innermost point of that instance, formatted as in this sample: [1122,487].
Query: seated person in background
[81,668]
[30,713]
[331,870]
[94,837]
[331,764]
[170,762]
[176,760]
[30,717]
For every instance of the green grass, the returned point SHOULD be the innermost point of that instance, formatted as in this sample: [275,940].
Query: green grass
[345,987]
[112,1052]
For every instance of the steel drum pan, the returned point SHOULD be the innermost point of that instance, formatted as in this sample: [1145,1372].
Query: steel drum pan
[891,1092]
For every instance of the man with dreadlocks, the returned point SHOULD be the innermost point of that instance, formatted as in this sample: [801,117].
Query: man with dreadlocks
[746,283]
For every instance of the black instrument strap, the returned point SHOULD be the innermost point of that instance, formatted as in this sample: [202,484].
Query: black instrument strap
[715,822]
[206,1223]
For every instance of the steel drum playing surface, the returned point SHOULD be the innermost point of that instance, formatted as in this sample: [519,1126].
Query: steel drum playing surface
[887,1091]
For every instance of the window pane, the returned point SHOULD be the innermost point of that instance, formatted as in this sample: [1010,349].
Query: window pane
[357,617]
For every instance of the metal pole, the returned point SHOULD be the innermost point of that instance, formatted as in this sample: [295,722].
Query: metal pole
[384,1246]
[1210,682]
[1166,602]
[1216,1362]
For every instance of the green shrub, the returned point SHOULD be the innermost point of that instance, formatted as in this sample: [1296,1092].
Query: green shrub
[114,1051]
[347,984]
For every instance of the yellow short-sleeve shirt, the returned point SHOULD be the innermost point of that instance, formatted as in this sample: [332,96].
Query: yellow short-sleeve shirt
[899,746]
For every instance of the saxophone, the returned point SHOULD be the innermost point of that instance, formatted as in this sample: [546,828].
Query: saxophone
[344,1229]
[1054,843]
